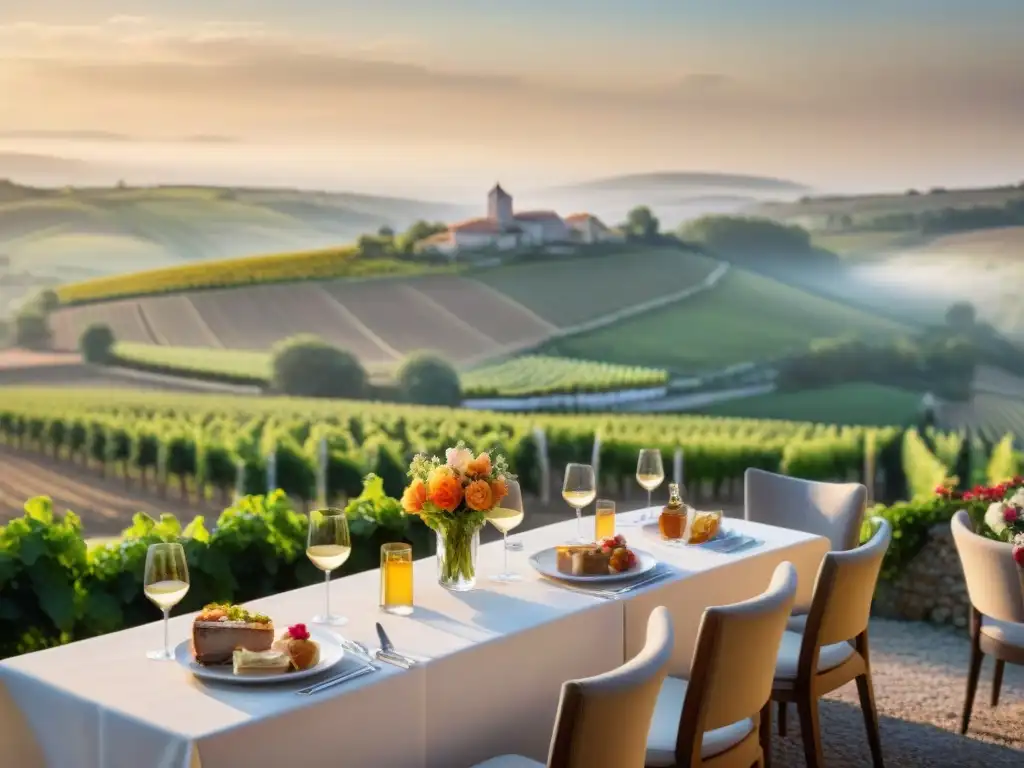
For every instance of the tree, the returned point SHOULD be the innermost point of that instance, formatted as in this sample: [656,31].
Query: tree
[641,223]
[97,344]
[307,366]
[31,330]
[961,316]
[386,232]
[427,379]
[47,300]
[421,230]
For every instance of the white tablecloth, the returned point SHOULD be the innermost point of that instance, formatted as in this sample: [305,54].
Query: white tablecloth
[495,661]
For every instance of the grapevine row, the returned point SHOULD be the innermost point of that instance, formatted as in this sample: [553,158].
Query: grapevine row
[205,440]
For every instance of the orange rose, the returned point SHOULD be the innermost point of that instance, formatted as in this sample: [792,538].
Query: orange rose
[499,489]
[478,495]
[414,497]
[444,489]
[480,466]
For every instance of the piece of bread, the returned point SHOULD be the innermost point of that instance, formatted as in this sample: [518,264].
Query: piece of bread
[582,560]
[296,643]
[261,662]
[219,630]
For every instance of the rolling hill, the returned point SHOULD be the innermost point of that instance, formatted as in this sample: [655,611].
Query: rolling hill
[86,232]
[467,317]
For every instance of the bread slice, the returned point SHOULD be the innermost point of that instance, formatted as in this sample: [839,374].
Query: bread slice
[261,662]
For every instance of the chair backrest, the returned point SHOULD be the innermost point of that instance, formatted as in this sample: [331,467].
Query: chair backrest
[841,606]
[604,720]
[990,572]
[833,510]
[734,662]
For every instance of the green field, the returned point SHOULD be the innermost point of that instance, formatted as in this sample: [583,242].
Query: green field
[95,231]
[856,403]
[745,318]
[570,291]
[519,377]
[813,208]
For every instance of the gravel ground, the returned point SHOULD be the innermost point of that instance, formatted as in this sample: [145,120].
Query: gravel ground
[920,675]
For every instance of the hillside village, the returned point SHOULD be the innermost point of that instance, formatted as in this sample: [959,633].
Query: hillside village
[504,229]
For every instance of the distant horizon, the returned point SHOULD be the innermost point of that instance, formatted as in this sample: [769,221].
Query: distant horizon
[145,162]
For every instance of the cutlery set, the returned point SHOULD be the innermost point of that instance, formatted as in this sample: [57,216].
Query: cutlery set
[387,654]
[615,593]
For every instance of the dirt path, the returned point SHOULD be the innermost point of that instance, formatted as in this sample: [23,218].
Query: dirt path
[105,505]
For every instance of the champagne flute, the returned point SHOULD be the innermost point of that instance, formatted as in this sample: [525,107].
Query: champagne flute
[579,489]
[165,583]
[649,474]
[328,547]
[506,517]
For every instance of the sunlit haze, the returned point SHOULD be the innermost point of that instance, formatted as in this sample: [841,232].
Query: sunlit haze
[410,96]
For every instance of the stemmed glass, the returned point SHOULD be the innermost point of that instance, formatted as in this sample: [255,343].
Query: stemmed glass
[506,517]
[579,489]
[650,474]
[328,547]
[165,583]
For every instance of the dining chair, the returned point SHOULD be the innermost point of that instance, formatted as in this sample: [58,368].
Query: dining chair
[832,510]
[832,650]
[997,606]
[712,719]
[603,720]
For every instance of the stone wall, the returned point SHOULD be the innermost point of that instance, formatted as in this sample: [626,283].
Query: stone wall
[931,588]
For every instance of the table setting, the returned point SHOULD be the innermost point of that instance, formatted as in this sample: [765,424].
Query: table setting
[453,647]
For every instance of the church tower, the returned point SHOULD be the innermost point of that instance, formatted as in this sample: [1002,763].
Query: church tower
[499,206]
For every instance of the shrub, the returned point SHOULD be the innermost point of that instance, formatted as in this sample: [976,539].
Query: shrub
[97,343]
[426,379]
[307,366]
[54,592]
[32,330]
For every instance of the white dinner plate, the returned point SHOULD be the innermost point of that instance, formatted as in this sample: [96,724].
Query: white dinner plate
[331,653]
[652,530]
[545,563]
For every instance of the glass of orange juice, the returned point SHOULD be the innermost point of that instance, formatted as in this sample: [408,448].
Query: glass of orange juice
[604,520]
[396,578]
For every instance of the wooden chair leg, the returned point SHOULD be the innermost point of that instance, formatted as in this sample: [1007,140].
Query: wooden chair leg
[810,730]
[972,683]
[783,711]
[997,681]
[867,704]
[764,736]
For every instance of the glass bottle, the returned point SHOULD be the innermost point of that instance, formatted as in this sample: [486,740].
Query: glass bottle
[672,521]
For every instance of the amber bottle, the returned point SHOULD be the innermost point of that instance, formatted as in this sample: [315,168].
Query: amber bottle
[672,521]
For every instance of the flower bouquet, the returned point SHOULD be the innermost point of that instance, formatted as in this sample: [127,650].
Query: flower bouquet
[453,498]
[1005,520]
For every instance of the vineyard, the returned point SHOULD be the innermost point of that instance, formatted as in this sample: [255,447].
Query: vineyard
[274,268]
[533,375]
[210,444]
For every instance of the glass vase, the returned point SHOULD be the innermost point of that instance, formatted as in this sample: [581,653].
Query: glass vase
[456,557]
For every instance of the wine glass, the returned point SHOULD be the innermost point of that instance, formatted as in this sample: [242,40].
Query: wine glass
[328,547]
[579,489]
[506,517]
[650,474]
[165,583]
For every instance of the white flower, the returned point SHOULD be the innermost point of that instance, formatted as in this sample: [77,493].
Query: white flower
[1018,540]
[458,458]
[994,517]
[1017,499]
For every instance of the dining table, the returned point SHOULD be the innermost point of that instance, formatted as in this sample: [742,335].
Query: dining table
[489,671]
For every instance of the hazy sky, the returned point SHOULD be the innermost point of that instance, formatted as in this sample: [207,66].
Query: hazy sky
[837,93]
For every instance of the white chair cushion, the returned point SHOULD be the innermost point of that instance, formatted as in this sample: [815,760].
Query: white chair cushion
[661,738]
[509,761]
[797,623]
[1009,632]
[789,655]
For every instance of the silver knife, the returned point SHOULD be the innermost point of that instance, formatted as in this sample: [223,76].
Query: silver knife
[387,650]
[337,680]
